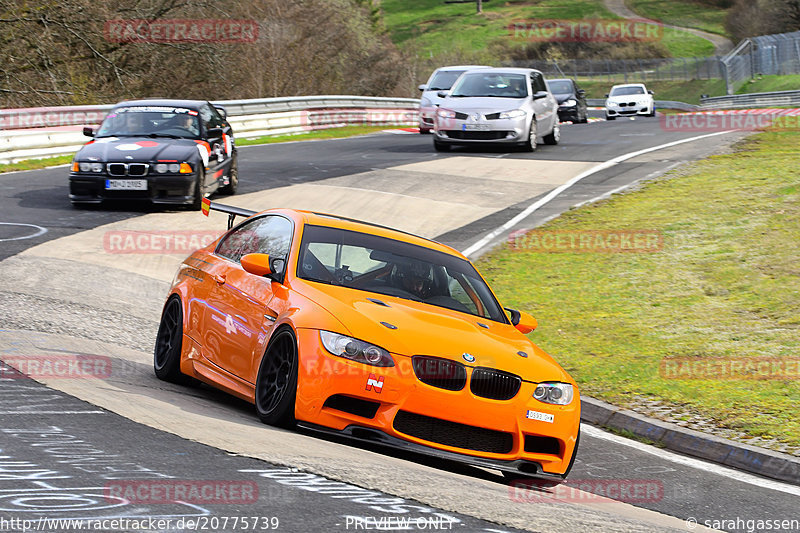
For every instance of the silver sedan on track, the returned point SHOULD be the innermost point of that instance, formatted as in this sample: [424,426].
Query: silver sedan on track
[497,105]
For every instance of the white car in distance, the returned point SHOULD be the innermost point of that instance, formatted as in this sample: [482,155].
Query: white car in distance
[630,100]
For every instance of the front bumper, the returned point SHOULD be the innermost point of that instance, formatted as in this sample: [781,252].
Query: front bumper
[628,109]
[340,395]
[161,189]
[471,131]
[426,118]
[568,113]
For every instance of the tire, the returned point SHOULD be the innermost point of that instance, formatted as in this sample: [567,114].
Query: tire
[197,200]
[233,178]
[276,384]
[440,147]
[610,118]
[545,483]
[530,144]
[169,343]
[554,136]
[652,113]
[585,119]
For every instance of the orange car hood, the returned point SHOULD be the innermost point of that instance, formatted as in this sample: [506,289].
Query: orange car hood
[427,330]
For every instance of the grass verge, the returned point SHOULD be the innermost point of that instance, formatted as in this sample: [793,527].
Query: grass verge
[725,285]
[431,28]
[684,13]
[330,133]
[34,164]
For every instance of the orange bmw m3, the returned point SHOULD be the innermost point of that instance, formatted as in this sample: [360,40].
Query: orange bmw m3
[346,327]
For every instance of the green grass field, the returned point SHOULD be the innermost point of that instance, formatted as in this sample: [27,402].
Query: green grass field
[683,13]
[726,284]
[431,28]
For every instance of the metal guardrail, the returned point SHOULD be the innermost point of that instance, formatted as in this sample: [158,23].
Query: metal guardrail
[47,132]
[738,101]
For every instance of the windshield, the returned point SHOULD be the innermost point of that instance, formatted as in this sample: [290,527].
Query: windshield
[151,122]
[498,85]
[444,79]
[386,266]
[626,91]
[560,87]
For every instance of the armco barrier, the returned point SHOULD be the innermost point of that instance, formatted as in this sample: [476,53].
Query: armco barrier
[752,100]
[46,132]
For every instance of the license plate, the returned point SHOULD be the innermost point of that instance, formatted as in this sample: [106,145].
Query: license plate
[475,127]
[542,417]
[126,185]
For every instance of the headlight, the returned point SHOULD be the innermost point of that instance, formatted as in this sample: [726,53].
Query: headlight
[355,350]
[570,103]
[445,113]
[516,113]
[89,167]
[161,168]
[555,393]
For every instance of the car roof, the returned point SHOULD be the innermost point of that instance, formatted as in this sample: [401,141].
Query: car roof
[628,85]
[336,221]
[509,70]
[460,67]
[162,102]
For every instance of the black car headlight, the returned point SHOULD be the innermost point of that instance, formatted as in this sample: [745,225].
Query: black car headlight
[554,392]
[87,166]
[355,350]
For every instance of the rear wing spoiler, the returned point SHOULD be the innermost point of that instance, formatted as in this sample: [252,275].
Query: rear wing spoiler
[233,212]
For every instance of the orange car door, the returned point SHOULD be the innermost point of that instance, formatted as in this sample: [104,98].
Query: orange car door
[238,316]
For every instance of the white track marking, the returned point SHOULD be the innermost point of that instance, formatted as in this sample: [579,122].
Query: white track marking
[39,231]
[691,462]
[558,190]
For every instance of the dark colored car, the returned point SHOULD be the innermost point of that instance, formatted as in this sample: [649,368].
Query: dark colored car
[164,151]
[571,100]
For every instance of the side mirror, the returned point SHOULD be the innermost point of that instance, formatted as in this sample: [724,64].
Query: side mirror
[423,87]
[88,131]
[521,320]
[221,111]
[215,133]
[581,92]
[650,92]
[443,94]
[606,95]
[538,95]
[257,264]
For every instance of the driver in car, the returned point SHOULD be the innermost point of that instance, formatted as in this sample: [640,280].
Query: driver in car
[415,278]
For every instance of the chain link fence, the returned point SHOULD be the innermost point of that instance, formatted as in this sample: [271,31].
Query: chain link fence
[634,70]
[777,54]
[764,55]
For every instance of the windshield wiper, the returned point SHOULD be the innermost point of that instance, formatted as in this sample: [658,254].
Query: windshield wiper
[167,135]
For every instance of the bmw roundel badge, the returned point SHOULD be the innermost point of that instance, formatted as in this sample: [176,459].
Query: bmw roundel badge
[468,357]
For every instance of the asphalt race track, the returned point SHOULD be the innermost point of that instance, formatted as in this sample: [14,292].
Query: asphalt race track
[67,289]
